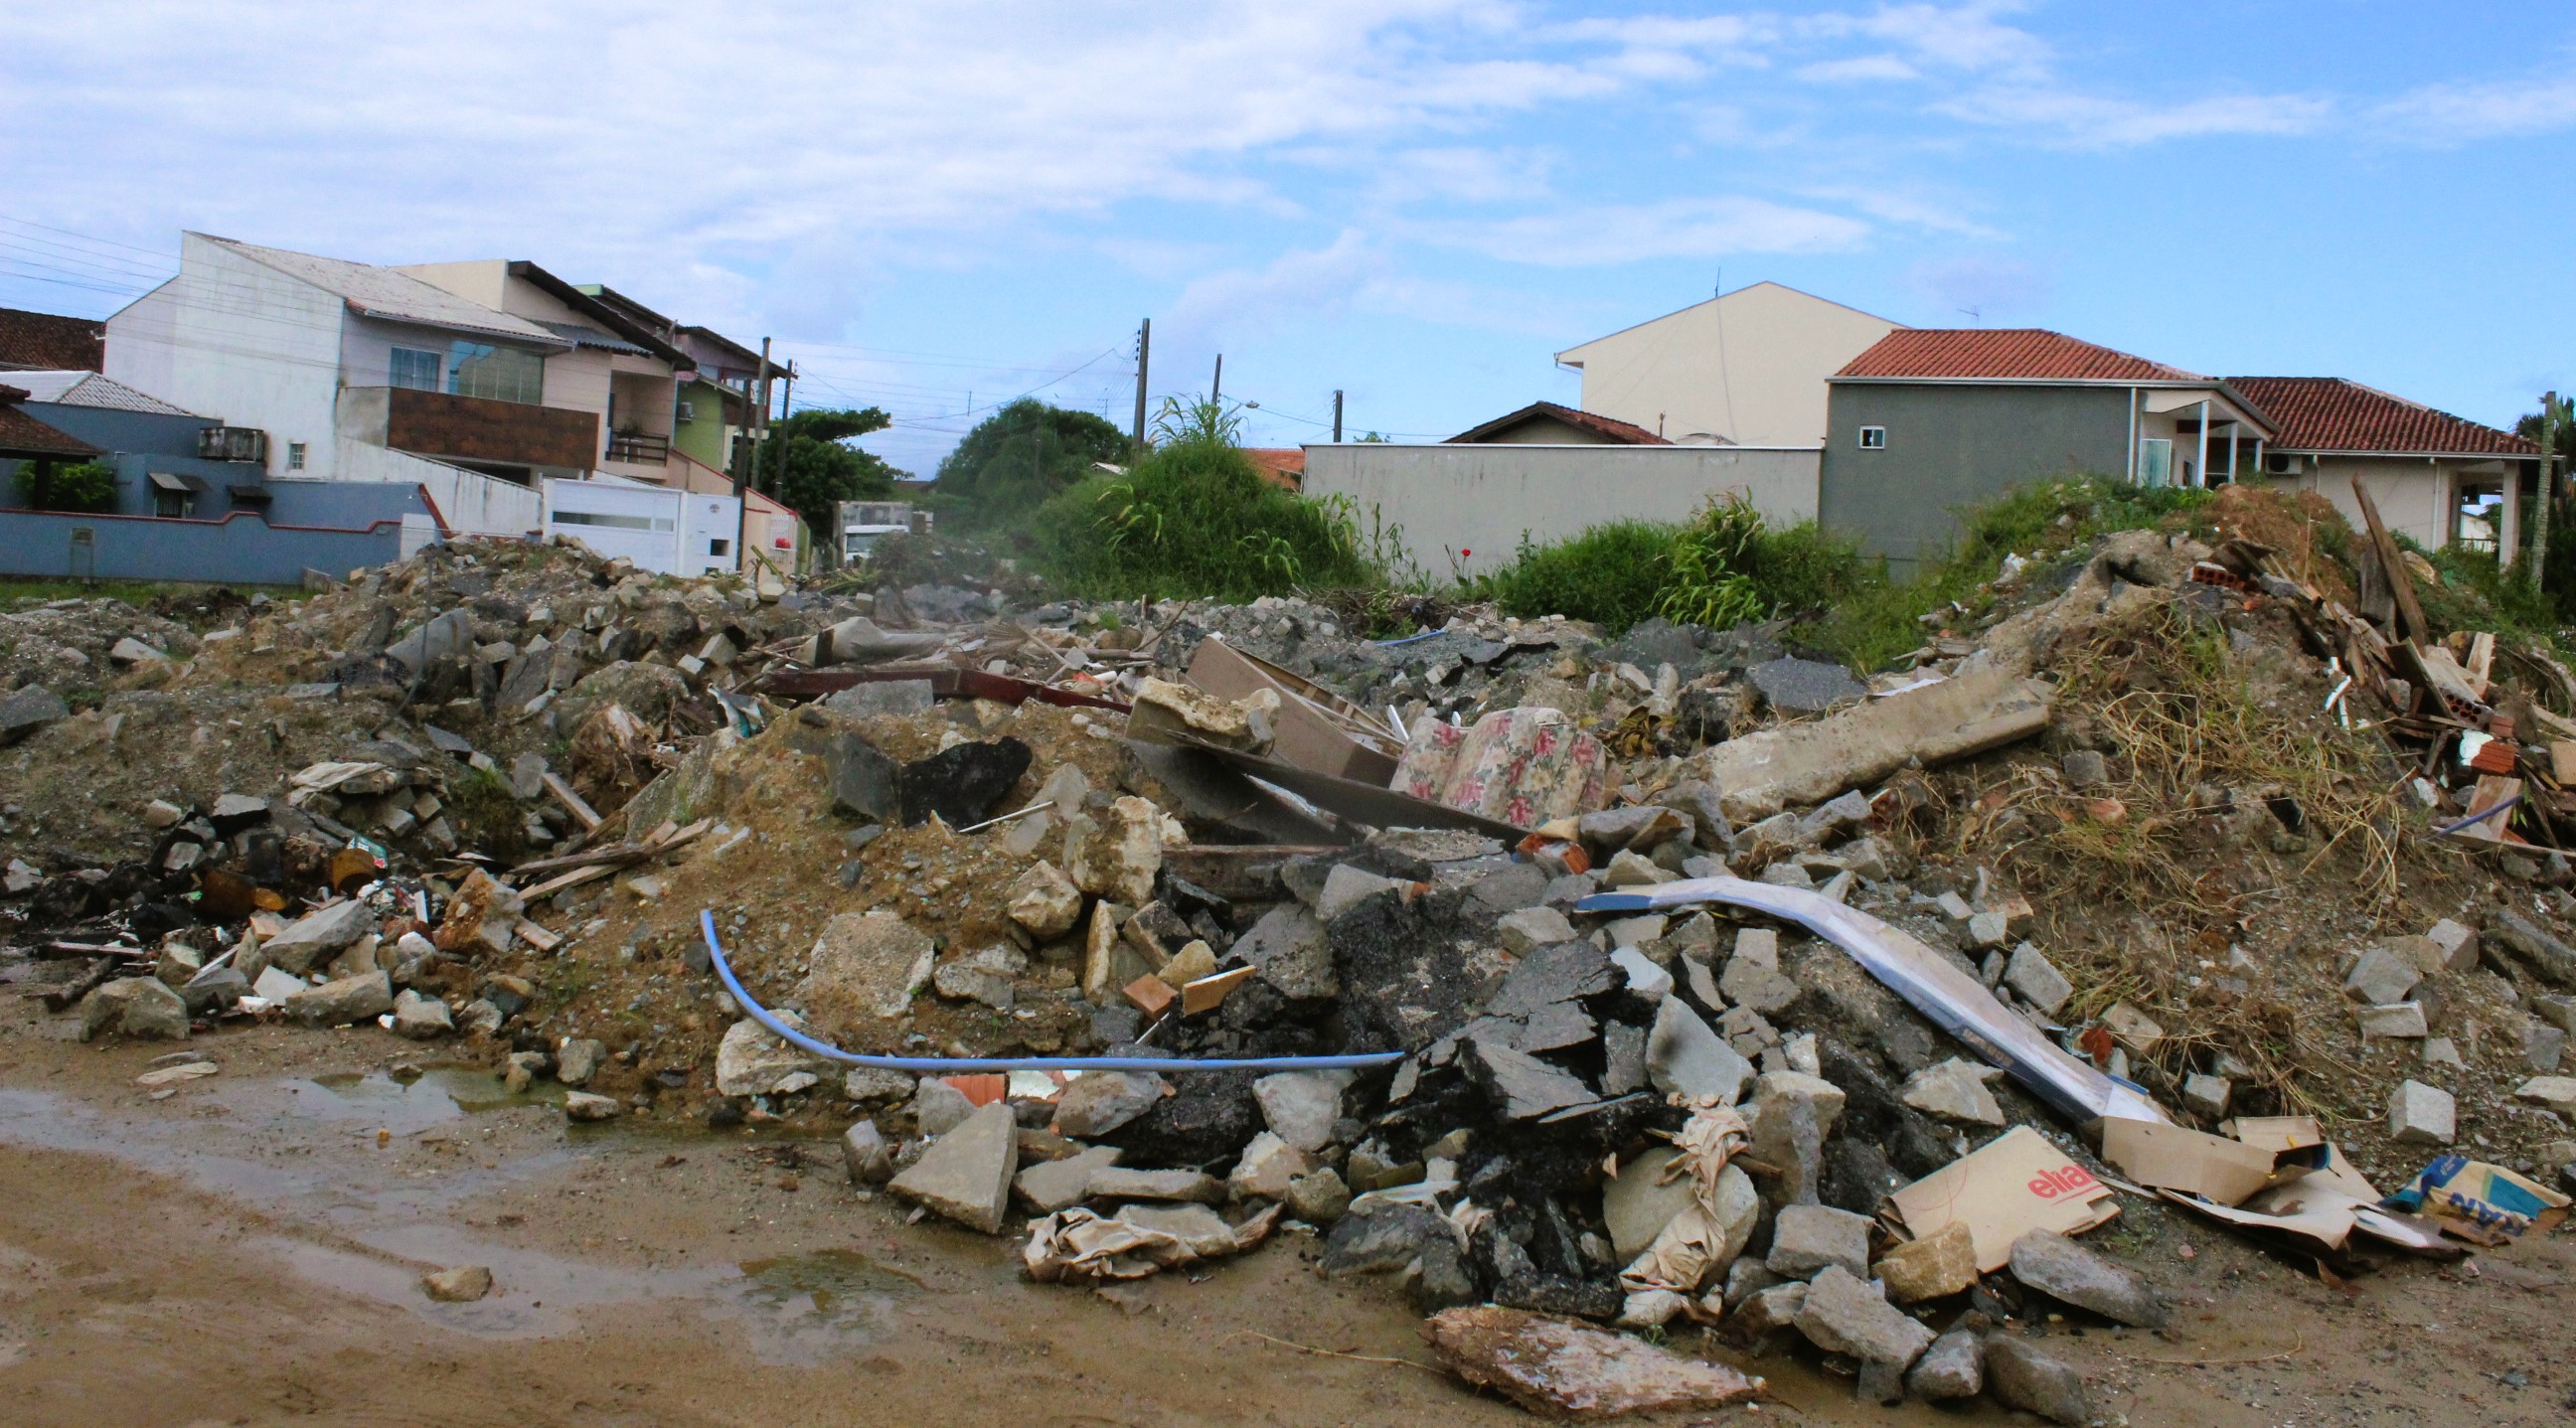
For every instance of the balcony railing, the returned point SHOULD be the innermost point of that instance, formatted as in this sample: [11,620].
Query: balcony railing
[638,446]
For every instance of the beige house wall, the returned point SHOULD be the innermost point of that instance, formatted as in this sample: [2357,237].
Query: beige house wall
[2414,494]
[1749,366]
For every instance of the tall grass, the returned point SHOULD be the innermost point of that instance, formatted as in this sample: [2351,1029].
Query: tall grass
[1194,520]
[1725,566]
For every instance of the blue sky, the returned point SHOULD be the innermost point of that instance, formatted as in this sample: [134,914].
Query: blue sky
[936,207]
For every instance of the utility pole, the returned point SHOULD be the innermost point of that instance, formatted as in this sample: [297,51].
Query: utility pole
[758,420]
[786,408]
[1144,359]
[1216,384]
[1337,416]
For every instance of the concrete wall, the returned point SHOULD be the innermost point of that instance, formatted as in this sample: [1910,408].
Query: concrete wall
[238,549]
[1767,347]
[469,502]
[1951,446]
[1466,507]
[240,341]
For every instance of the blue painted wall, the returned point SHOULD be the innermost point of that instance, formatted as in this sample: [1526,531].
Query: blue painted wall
[239,549]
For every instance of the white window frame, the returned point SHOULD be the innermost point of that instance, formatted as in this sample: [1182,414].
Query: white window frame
[1879,432]
[437,368]
[295,456]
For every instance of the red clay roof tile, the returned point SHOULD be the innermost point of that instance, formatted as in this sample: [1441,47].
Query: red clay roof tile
[2334,414]
[2026,354]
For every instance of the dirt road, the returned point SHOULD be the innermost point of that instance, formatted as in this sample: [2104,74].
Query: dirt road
[247,1250]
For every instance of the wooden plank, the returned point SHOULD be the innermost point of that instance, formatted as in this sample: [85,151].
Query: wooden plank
[2562,760]
[2401,581]
[536,936]
[573,879]
[2481,659]
[572,802]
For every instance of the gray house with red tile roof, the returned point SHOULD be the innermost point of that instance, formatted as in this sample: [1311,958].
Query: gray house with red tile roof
[1931,421]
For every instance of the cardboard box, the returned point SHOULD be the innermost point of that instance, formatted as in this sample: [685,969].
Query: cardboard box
[1317,729]
[2222,1171]
[2017,1183]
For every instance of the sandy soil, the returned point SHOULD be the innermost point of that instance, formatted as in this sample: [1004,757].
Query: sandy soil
[246,1250]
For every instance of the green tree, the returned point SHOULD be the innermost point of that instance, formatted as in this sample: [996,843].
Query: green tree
[87,487]
[1019,457]
[821,468]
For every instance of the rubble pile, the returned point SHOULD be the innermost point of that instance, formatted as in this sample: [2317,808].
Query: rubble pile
[1674,980]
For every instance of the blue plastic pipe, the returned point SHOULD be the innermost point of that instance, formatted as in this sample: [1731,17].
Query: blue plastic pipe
[964,1065]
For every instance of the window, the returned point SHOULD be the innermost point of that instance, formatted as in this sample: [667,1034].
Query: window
[719,547]
[2155,461]
[507,374]
[415,369]
[1873,438]
[604,518]
[295,456]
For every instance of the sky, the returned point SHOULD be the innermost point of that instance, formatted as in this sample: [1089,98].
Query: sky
[938,207]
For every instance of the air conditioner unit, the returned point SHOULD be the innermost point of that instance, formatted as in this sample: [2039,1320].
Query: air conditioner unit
[232,443]
[688,411]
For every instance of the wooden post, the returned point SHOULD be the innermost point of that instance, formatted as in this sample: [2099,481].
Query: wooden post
[2548,489]
[2401,581]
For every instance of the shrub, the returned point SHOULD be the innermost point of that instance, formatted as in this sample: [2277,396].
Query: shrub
[1194,520]
[89,487]
[1613,575]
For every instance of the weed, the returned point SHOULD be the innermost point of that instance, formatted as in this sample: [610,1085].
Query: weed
[1613,575]
[487,814]
[1872,622]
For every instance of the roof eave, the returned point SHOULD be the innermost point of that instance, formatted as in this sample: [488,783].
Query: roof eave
[540,338]
[583,303]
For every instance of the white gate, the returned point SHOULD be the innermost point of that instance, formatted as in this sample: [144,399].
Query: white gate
[667,532]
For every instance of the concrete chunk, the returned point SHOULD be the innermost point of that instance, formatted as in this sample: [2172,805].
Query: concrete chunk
[1054,1185]
[1300,1107]
[2380,976]
[966,1174]
[1845,1314]
[1955,1090]
[1765,772]
[865,1154]
[1684,1057]
[1807,1238]
[2036,980]
[2398,1019]
[1531,928]
[2021,1375]
[1953,1368]
[350,999]
[2066,1271]
[2421,1115]
[1940,1263]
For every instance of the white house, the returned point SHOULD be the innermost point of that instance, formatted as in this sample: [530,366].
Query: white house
[1746,367]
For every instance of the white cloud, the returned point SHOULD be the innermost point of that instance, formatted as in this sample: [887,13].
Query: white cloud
[1967,38]
[1901,204]
[2450,113]
[2088,121]
[651,141]
[1237,302]
[1679,228]
[1861,69]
